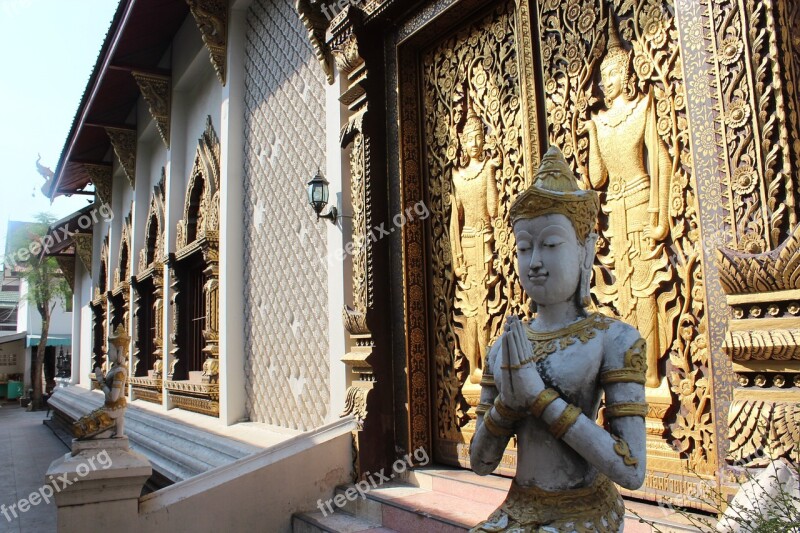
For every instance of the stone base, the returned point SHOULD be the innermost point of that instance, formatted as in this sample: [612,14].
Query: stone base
[97,486]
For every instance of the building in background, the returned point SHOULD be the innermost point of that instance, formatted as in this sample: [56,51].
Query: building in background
[21,324]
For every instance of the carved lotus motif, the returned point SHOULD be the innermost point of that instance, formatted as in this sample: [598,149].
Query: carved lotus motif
[752,243]
[653,23]
[744,180]
[586,20]
[738,113]
[730,50]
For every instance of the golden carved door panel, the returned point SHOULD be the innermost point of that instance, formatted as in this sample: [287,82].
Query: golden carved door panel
[475,135]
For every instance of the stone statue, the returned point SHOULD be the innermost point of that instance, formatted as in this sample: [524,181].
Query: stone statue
[544,380]
[109,420]
[627,156]
[473,207]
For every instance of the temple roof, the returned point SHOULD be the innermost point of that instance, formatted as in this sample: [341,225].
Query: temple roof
[140,34]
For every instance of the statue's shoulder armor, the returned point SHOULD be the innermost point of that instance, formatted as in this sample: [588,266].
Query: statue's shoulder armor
[622,346]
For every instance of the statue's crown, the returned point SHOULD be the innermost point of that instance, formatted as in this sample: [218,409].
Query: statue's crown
[555,190]
[615,52]
[119,337]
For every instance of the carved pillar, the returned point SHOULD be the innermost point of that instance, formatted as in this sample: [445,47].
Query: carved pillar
[357,57]
[211,332]
[175,352]
[157,92]
[158,309]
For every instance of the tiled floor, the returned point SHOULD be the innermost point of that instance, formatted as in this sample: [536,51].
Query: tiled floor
[27,448]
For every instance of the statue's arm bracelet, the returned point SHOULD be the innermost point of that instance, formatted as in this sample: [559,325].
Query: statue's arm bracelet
[545,398]
[622,375]
[482,408]
[494,428]
[626,409]
[568,417]
[506,412]
[487,380]
[633,368]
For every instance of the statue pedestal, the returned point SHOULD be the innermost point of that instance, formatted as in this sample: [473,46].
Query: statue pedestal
[97,486]
[660,455]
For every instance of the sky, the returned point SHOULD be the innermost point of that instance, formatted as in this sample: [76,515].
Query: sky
[49,48]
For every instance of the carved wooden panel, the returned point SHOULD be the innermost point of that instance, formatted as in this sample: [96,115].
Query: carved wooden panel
[471,85]
[575,40]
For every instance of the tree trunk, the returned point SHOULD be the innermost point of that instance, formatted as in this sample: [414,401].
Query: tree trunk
[36,401]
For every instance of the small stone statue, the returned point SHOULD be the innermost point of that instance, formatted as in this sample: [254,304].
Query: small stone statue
[544,380]
[109,420]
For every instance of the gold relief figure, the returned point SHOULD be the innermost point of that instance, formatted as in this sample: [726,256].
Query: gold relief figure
[473,207]
[631,162]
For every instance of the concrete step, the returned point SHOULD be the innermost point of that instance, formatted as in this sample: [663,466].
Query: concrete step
[338,522]
[446,500]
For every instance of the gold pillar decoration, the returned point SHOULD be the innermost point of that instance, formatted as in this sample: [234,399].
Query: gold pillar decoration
[123,140]
[174,286]
[316,24]
[67,265]
[757,71]
[84,244]
[157,92]
[763,343]
[211,17]
[211,331]
[350,63]
[101,178]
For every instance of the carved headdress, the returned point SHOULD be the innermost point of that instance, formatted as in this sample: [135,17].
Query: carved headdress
[555,190]
[615,52]
[120,339]
[473,122]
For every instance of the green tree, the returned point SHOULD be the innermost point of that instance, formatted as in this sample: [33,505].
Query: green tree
[46,286]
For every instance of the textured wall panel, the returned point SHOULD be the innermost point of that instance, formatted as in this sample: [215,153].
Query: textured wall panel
[286,332]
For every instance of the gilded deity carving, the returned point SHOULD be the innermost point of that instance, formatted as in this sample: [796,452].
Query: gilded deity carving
[631,164]
[473,208]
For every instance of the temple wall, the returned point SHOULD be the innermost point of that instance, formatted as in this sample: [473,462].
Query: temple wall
[285,266]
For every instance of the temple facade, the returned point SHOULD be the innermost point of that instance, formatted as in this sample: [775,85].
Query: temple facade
[204,120]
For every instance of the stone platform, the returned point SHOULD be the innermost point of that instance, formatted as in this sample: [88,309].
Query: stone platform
[442,500]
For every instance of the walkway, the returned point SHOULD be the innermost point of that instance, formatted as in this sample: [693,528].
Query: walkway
[27,447]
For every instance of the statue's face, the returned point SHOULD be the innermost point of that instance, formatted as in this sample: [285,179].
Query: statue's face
[612,80]
[473,143]
[549,258]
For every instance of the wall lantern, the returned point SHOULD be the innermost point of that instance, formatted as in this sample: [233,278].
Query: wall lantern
[318,198]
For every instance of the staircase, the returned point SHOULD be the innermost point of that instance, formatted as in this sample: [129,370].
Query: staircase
[440,500]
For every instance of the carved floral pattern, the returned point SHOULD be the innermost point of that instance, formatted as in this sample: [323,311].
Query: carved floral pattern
[757,58]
